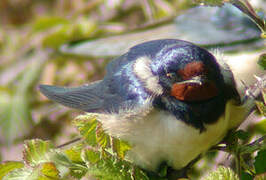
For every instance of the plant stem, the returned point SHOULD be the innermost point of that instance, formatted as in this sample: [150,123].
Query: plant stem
[69,142]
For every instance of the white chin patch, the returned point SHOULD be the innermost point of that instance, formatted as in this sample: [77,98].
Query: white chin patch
[143,71]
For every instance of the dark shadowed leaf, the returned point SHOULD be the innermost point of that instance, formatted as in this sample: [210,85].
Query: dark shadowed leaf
[260,162]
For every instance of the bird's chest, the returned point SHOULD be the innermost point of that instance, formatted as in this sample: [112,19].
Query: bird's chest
[157,136]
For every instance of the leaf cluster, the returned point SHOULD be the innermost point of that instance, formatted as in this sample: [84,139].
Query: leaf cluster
[98,155]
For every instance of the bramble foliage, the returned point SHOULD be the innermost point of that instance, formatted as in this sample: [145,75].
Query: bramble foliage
[97,155]
[102,156]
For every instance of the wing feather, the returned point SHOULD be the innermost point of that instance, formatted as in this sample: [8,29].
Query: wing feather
[87,98]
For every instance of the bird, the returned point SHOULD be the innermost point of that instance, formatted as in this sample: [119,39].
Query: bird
[170,99]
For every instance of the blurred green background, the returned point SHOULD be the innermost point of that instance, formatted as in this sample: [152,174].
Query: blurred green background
[31,34]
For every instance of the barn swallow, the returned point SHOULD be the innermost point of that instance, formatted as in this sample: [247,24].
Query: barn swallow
[170,99]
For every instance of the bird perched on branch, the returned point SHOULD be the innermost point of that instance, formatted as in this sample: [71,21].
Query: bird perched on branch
[170,99]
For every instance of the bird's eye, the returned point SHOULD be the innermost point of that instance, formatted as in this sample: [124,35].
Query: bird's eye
[171,75]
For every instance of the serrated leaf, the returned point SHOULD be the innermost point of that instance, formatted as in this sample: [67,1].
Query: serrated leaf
[260,162]
[9,166]
[90,156]
[36,151]
[86,125]
[19,174]
[48,171]
[101,137]
[120,147]
[74,154]
[62,161]
[222,173]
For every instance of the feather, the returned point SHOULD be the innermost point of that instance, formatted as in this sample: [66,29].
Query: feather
[87,97]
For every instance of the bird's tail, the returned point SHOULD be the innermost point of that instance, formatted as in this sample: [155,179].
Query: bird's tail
[85,97]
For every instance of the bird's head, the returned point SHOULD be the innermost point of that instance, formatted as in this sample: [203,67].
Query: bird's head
[182,70]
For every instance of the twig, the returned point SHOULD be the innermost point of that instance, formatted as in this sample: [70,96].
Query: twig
[69,142]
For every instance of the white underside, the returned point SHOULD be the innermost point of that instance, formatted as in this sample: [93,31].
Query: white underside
[158,136]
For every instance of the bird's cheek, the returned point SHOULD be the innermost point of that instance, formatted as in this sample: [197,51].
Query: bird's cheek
[194,92]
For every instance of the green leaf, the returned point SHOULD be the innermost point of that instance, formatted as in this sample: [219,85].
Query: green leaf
[260,127]
[48,171]
[246,176]
[36,151]
[90,156]
[243,135]
[15,109]
[86,125]
[19,174]
[223,173]
[120,147]
[44,23]
[44,171]
[140,174]
[262,61]
[63,162]
[260,161]
[101,137]
[58,37]
[261,107]
[74,154]
[9,166]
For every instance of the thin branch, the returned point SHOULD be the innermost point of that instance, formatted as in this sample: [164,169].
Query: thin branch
[69,142]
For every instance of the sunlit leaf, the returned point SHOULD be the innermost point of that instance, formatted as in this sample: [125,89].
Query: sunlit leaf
[86,125]
[48,171]
[7,167]
[63,162]
[74,154]
[223,173]
[58,37]
[90,156]
[19,174]
[120,147]
[83,28]
[36,151]
[101,137]
[44,23]
[260,127]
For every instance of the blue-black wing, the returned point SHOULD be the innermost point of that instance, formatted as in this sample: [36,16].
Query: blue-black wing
[94,97]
